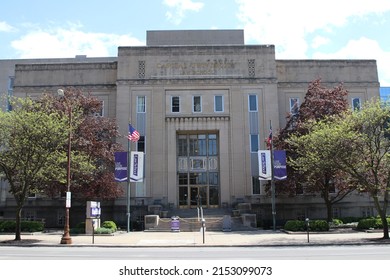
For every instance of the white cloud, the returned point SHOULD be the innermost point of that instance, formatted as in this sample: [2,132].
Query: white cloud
[289,25]
[319,41]
[363,48]
[68,42]
[180,7]
[5,27]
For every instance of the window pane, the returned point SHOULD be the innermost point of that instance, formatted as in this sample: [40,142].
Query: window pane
[197,104]
[141,144]
[294,106]
[141,104]
[254,143]
[212,145]
[183,179]
[175,104]
[218,103]
[252,103]
[356,104]
[202,148]
[255,185]
[214,196]
[214,178]
[198,178]
[193,145]
[182,145]
[183,196]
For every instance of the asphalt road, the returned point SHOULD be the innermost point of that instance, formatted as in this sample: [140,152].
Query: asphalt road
[362,252]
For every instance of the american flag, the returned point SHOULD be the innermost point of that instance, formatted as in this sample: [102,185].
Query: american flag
[269,139]
[133,134]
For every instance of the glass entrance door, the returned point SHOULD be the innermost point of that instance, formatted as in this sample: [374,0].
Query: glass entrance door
[198,170]
[198,196]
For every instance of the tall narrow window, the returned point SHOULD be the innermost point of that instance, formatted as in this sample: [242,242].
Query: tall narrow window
[11,80]
[100,112]
[141,106]
[141,144]
[212,145]
[252,103]
[197,104]
[254,143]
[294,106]
[356,104]
[175,104]
[218,103]
[255,185]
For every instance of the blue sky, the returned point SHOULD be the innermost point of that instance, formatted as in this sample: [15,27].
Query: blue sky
[300,29]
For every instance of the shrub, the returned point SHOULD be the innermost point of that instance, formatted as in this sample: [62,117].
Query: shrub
[319,225]
[370,223]
[314,225]
[295,225]
[110,225]
[7,226]
[103,230]
[32,226]
[337,222]
[26,226]
[79,229]
[349,220]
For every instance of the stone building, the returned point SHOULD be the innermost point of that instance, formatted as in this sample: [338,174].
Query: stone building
[202,101]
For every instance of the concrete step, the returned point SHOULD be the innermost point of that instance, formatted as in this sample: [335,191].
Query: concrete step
[212,223]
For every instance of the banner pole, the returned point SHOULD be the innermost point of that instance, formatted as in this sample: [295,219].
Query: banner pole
[128,187]
[272,180]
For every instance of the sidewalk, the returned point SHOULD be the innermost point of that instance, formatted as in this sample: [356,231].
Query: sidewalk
[197,239]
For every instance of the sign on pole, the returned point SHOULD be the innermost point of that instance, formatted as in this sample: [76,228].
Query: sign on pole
[280,169]
[136,167]
[121,166]
[265,171]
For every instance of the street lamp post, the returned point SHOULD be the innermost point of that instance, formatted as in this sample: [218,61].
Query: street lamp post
[66,239]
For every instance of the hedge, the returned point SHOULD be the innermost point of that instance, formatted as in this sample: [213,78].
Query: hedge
[25,226]
[368,223]
[314,225]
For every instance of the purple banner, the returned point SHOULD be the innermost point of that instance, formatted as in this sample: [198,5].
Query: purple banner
[280,170]
[121,166]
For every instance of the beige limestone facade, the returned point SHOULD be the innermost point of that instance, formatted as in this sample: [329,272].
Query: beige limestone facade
[203,110]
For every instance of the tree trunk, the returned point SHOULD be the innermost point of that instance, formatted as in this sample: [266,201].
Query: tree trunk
[385,228]
[382,215]
[18,224]
[329,211]
[328,203]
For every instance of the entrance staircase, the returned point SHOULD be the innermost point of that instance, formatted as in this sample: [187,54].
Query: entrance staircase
[220,219]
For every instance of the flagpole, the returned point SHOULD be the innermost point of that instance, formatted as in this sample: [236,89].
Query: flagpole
[128,186]
[272,180]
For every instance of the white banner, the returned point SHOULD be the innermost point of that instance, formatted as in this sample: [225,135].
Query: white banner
[137,167]
[265,172]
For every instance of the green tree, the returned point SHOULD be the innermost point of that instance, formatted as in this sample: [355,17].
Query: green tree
[31,154]
[367,160]
[95,137]
[311,175]
[314,161]
[357,144]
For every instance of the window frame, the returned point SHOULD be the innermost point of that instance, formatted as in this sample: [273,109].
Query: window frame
[353,103]
[251,138]
[141,105]
[194,106]
[256,103]
[291,105]
[175,105]
[222,104]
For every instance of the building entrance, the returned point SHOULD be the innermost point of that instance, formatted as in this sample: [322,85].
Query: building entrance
[198,197]
[198,170]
